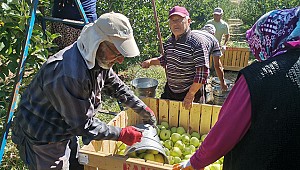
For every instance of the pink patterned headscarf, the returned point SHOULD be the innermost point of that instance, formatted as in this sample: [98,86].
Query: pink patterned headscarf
[274,33]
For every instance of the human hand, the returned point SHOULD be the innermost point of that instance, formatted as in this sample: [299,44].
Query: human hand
[224,86]
[223,48]
[186,165]
[150,119]
[146,64]
[188,101]
[130,135]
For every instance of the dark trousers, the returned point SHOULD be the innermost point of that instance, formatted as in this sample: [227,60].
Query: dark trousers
[168,94]
[54,156]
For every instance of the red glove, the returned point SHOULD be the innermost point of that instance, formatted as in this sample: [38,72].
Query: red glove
[130,135]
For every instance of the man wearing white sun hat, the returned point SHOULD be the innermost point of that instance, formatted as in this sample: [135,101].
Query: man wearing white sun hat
[61,101]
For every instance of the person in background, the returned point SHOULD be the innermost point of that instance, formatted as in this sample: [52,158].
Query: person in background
[61,101]
[258,125]
[67,9]
[185,58]
[221,26]
[218,67]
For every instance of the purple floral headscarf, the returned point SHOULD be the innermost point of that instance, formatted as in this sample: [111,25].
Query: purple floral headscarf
[274,33]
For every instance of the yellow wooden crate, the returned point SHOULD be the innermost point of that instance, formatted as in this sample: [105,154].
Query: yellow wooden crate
[234,58]
[101,155]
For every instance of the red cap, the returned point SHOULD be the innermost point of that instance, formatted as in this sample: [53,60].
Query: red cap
[178,10]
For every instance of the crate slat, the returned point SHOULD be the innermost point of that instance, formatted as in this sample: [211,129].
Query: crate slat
[173,113]
[215,113]
[195,115]
[163,111]
[205,118]
[183,117]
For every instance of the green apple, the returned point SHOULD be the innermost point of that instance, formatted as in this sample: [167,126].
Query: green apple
[196,134]
[149,156]
[214,167]
[165,124]
[194,141]
[175,152]
[168,144]
[167,151]
[179,144]
[159,158]
[192,147]
[175,137]
[141,151]
[174,130]
[121,145]
[142,155]
[171,160]
[187,151]
[203,137]
[186,157]
[121,152]
[165,134]
[185,139]
[160,126]
[152,151]
[132,154]
[177,160]
[180,130]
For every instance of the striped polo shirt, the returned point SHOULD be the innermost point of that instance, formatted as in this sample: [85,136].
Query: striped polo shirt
[187,59]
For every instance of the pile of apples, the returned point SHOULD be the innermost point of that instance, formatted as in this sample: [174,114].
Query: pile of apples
[179,146]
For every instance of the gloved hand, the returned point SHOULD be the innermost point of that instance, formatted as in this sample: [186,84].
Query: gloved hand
[186,165]
[130,135]
[148,116]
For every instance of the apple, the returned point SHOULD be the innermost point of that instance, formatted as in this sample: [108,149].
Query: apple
[175,137]
[192,147]
[203,137]
[179,144]
[175,152]
[132,154]
[186,157]
[142,155]
[141,151]
[121,145]
[187,151]
[167,151]
[159,158]
[214,167]
[160,126]
[171,160]
[177,160]
[165,124]
[121,152]
[149,156]
[180,130]
[168,144]
[194,141]
[165,134]
[152,151]
[185,139]
[174,130]
[196,134]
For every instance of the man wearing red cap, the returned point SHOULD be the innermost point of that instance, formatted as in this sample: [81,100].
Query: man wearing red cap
[186,59]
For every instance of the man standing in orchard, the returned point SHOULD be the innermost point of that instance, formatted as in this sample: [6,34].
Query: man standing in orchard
[221,26]
[61,101]
[186,59]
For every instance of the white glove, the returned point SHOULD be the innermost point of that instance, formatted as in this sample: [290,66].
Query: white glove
[185,164]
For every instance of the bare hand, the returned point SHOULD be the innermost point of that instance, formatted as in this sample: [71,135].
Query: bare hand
[188,101]
[224,87]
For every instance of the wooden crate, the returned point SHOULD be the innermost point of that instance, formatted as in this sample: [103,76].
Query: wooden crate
[100,155]
[234,58]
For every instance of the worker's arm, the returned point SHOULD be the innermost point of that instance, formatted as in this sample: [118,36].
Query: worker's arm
[189,98]
[220,73]
[150,62]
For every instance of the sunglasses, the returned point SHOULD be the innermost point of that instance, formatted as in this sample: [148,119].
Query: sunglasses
[112,51]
